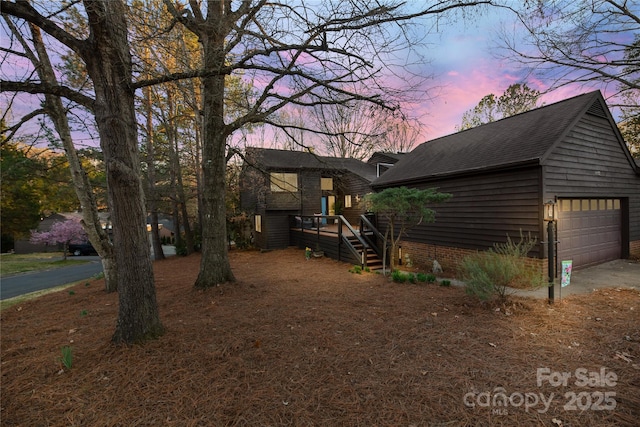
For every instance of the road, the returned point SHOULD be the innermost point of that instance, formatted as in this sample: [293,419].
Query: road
[25,283]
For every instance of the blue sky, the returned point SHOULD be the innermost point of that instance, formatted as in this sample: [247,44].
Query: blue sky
[466,64]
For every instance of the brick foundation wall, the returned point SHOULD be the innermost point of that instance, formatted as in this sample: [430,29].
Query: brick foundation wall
[422,256]
[634,249]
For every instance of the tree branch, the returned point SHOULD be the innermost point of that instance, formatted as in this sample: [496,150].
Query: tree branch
[34,88]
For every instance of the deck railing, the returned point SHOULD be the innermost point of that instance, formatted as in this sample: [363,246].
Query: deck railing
[323,226]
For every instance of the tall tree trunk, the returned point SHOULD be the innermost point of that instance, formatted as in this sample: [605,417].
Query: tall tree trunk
[90,220]
[182,199]
[152,202]
[108,62]
[214,267]
[176,175]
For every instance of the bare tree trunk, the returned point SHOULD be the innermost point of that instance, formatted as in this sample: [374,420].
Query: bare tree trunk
[214,267]
[90,220]
[151,179]
[109,65]
[176,174]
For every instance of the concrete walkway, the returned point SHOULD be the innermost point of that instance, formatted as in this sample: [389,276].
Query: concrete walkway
[620,273]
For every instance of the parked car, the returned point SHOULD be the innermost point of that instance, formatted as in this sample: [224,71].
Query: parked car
[82,249]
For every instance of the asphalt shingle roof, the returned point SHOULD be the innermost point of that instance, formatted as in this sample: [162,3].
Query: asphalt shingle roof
[294,160]
[517,139]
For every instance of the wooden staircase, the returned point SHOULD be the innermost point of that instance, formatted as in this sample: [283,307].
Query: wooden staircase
[371,259]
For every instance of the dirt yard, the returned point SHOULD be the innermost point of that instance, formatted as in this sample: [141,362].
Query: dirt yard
[306,343]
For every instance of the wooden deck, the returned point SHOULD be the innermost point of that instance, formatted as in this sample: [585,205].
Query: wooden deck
[330,237]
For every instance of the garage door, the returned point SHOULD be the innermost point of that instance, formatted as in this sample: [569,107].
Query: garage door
[589,231]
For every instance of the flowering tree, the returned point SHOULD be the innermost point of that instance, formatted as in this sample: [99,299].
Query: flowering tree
[64,232]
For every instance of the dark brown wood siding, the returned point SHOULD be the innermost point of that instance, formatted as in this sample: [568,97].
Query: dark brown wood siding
[277,229]
[356,187]
[590,163]
[252,189]
[484,209]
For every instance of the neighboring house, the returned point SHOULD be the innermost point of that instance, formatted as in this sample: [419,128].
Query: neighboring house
[25,246]
[500,174]
[278,184]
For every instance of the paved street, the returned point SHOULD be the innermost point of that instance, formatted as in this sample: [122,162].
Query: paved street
[25,283]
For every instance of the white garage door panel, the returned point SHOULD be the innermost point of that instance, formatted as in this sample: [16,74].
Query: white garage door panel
[589,231]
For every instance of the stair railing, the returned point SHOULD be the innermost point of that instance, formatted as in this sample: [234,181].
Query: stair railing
[365,227]
[343,239]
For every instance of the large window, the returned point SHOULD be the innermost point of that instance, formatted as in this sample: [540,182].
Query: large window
[326,184]
[281,181]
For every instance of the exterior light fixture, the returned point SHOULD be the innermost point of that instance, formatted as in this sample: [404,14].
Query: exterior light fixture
[550,211]
[549,214]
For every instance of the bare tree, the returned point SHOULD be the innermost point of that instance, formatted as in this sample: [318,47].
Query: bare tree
[583,41]
[104,48]
[349,129]
[298,54]
[56,110]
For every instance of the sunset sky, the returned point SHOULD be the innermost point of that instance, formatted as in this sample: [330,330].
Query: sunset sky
[467,67]
[463,59]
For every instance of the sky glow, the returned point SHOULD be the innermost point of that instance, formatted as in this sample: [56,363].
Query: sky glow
[460,59]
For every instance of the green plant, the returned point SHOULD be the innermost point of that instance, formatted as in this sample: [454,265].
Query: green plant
[367,269]
[84,313]
[431,278]
[87,284]
[181,249]
[398,276]
[356,269]
[72,292]
[67,357]
[492,273]
[445,282]
[411,277]
[421,277]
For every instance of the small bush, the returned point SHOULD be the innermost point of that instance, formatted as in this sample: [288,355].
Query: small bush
[181,249]
[431,278]
[490,274]
[421,277]
[445,282]
[398,276]
[72,292]
[411,277]
[84,313]
[356,269]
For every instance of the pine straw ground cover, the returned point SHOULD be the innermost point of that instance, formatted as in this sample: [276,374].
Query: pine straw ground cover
[300,343]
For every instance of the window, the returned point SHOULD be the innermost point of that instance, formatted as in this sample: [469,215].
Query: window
[281,181]
[326,184]
[347,200]
[258,223]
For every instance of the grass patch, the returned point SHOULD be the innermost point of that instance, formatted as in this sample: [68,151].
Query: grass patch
[22,263]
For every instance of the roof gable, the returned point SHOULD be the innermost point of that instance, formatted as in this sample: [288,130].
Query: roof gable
[519,139]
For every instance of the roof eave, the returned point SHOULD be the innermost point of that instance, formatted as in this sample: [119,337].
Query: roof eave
[460,173]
